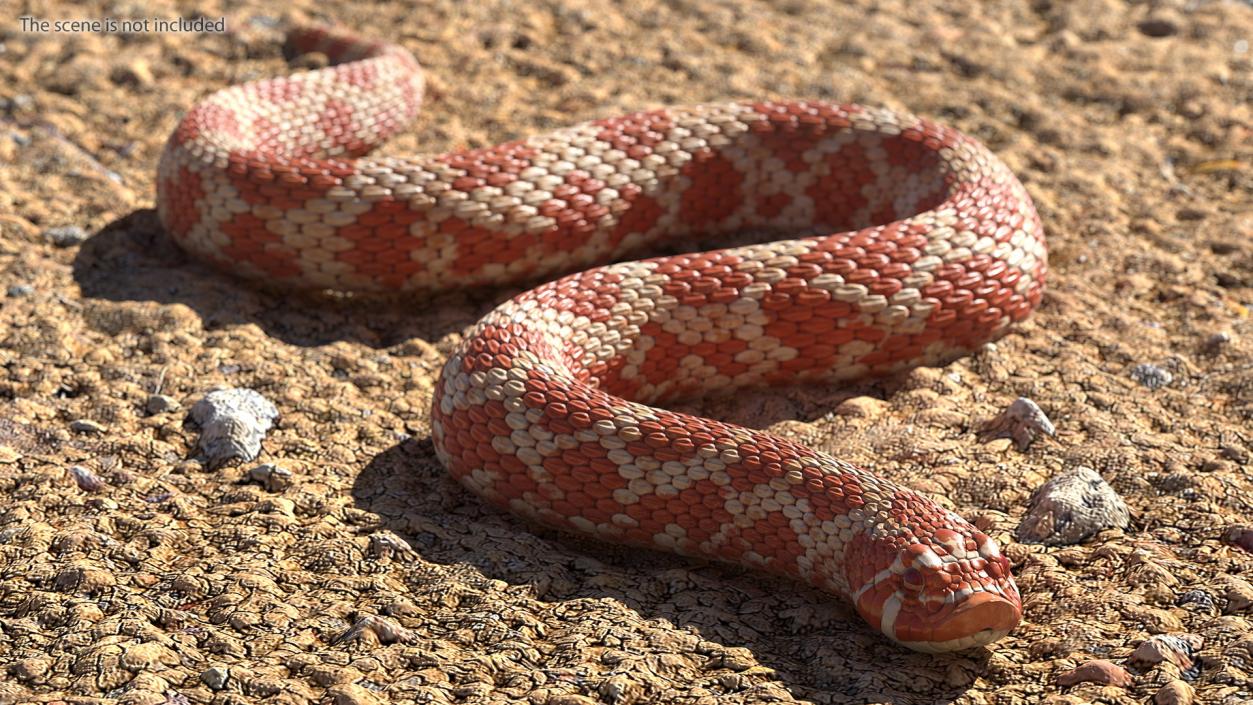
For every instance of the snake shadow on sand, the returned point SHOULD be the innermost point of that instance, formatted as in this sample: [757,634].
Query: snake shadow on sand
[814,645]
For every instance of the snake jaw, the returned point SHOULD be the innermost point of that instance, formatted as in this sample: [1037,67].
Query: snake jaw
[936,596]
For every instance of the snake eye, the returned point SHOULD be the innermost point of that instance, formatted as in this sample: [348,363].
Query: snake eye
[912,579]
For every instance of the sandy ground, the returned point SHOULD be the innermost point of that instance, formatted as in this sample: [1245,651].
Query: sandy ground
[176,583]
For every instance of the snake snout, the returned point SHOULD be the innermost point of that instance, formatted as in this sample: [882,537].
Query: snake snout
[981,619]
[951,593]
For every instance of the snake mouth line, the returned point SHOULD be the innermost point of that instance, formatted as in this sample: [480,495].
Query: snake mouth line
[981,638]
[980,619]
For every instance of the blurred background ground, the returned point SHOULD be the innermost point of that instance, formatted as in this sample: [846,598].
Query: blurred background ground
[368,576]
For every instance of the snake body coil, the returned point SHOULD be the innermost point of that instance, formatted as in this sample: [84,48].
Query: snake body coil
[926,247]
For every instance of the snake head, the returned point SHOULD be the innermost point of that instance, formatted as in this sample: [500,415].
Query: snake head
[946,590]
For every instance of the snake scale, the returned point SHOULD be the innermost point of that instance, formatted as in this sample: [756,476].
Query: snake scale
[903,243]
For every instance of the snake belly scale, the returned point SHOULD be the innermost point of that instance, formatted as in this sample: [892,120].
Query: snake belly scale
[910,244]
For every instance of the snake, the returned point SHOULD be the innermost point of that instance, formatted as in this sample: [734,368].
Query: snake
[880,241]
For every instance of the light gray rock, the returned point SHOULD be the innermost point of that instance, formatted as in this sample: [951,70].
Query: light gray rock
[1071,507]
[1152,376]
[1021,421]
[66,235]
[233,422]
[215,677]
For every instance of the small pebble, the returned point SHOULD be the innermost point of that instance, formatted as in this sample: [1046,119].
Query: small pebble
[233,423]
[1022,421]
[1239,535]
[86,426]
[17,291]
[1237,594]
[1174,693]
[215,677]
[66,235]
[1196,600]
[136,73]
[385,630]
[87,480]
[1217,341]
[385,544]
[274,478]
[1216,465]
[277,505]
[1235,453]
[1097,671]
[161,403]
[1072,506]
[1228,280]
[1151,376]
[1179,649]
[102,504]
[862,407]
[1158,27]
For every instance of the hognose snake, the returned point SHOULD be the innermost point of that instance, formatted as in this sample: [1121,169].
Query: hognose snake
[926,246]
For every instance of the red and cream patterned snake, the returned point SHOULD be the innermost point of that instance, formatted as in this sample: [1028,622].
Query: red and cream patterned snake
[927,247]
